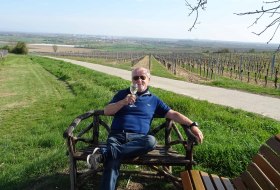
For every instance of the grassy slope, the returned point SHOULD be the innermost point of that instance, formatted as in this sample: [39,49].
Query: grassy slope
[34,150]
[30,138]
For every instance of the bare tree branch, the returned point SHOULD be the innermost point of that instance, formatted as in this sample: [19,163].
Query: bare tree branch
[271,12]
[201,4]
[267,2]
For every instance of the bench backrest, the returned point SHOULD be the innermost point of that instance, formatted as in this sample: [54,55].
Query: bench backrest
[264,170]
[262,173]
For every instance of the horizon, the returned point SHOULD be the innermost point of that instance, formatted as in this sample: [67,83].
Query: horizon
[137,37]
[163,19]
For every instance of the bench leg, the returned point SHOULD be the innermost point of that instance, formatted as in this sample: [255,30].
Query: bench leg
[164,171]
[167,168]
[73,173]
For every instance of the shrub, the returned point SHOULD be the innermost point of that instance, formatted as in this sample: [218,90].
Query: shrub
[20,48]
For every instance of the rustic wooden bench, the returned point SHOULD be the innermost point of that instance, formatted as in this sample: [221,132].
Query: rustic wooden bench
[262,173]
[83,138]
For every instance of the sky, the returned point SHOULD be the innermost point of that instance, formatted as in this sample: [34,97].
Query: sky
[135,18]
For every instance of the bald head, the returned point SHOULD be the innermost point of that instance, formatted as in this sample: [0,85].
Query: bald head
[141,70]
[141,76]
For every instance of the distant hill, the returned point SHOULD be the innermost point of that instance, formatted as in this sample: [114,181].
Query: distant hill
[132,43]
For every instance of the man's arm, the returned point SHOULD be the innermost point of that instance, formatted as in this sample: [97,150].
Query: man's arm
[180,118]
[113,108]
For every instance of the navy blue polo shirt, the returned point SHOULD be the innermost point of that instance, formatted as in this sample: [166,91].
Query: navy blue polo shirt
[137,119]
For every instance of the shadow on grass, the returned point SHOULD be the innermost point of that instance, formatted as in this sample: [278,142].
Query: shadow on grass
[131,181]
[126,181]
[57,181]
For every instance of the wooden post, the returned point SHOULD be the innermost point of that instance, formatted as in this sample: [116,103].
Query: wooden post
[150,61]
[276,79]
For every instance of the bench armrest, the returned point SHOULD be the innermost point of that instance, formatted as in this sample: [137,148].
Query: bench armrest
[69,131]
[192,139]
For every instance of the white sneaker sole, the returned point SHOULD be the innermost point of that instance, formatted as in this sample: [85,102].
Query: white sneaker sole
[94,151]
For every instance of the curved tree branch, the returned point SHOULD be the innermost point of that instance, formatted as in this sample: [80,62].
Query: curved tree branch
[201,4]
[271,12]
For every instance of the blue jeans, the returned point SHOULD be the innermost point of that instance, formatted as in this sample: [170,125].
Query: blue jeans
[120,146]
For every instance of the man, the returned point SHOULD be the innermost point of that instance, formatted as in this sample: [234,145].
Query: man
[128,136]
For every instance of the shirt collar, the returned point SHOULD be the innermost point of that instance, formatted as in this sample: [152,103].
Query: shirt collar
[145,93]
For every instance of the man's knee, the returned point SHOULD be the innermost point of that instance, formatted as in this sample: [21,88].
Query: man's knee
[151,142]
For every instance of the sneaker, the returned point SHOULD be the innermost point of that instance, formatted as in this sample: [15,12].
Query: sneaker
[94,159]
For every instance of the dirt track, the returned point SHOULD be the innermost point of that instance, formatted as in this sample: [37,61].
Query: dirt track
[264,105]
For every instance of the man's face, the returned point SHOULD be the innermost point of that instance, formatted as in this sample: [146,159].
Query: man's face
[139,77]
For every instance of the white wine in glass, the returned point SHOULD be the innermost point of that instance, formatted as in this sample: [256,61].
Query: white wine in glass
[133,91]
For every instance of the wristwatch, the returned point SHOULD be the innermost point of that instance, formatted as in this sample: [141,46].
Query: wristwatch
[193,124]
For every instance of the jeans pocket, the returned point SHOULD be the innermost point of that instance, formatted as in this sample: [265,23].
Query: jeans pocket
[133,136]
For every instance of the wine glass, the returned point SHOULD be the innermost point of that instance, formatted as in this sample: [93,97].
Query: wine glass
[133,91]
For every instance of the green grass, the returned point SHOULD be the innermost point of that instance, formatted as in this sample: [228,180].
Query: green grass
[111,63]
[30,98]
[40,97]
[243,86]
[158,69]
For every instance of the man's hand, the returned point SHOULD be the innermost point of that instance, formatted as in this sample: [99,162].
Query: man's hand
[196,131]
[129,99]
[113,108]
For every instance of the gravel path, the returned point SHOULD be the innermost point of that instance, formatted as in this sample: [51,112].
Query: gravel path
[264,105]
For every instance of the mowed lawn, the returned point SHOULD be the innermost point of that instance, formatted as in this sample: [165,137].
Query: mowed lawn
[40,97]
[31,102]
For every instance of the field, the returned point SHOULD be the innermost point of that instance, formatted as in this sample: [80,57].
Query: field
[239,69]
[43,48]
[40,98]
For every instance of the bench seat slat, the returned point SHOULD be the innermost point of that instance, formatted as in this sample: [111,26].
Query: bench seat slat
[159,156]
[267,169]
[186,180]
[198,183]
[227,183]
[250,181]
[207,181]
[277,137]
[259,177]
[157,160]
[217,182]
[194,179]
[239,184]
[271,157]
[274,143]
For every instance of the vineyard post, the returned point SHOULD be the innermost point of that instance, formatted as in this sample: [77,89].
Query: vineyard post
[236,72]
[276,79]
[207,70]
[150,60]
[240,70]
[272,65]
[213,64]
[200,62]
[205,61]
[256,78]
[175,65]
